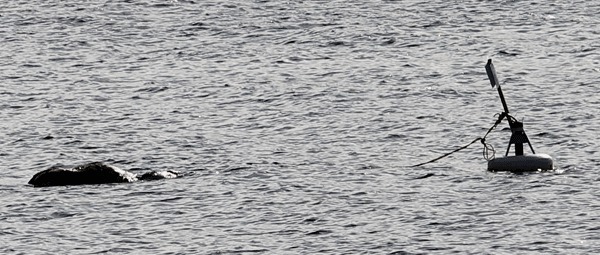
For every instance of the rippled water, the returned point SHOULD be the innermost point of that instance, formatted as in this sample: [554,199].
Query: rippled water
[295,123]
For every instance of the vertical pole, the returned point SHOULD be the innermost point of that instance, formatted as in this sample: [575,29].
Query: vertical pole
[517,131]
[502,99]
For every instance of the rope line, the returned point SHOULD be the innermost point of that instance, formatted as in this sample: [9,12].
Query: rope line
[449,153]
[487,148]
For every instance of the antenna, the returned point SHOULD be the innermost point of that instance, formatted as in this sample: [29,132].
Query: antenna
[518,136]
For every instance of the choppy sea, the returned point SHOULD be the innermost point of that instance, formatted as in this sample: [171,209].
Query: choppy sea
[296,123]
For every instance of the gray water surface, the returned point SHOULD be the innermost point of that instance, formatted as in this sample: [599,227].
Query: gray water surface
[295,123]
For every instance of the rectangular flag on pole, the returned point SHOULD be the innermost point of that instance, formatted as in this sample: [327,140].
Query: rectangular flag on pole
[491,72]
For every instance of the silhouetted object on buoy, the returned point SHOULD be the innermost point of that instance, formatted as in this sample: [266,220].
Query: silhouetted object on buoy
[93,173]
[519,162]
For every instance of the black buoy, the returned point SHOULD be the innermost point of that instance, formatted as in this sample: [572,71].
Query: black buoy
[519,162]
